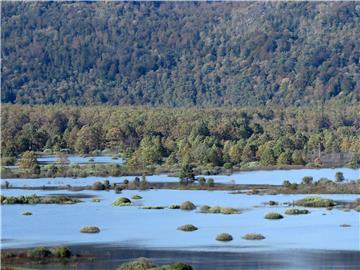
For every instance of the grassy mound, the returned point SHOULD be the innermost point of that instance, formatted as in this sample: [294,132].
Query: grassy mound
[273,215]
[136,197]
[34,199]
[122,201]
[218,210]
[144,264]
[187,228]
[253,236]
[27,214]
[294,211]
[187,206]
[225,237]
[315,201]
[90,229]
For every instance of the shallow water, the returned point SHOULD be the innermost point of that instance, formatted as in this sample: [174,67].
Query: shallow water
[73,159]
[133,226]
[273,177]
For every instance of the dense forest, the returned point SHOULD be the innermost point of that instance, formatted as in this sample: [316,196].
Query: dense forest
[206,138]
[177,54]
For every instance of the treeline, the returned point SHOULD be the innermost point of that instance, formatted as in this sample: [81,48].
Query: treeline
[180,54]
[205,138]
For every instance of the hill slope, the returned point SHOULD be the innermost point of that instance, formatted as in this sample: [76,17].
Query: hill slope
[180,54]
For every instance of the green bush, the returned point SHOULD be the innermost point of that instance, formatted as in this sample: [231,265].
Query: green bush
[187,206]
[62,252]
[123,201]
[253,236]
[174,206]
[273,215]
[40,253]
[139,264]
[314,201]
[294,211]
[225,237]
[27,213]
[136,197]
[90,229]
[187,228]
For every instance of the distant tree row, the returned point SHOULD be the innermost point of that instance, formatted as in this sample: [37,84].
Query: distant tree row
[214,137]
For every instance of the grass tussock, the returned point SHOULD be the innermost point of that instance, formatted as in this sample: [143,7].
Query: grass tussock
[218,210]
[315,201]
[187,228]
[224,237]
[136,197]
[122,201]
[295,211]
[187,205]
[253,236]
[273,215]
[90,229]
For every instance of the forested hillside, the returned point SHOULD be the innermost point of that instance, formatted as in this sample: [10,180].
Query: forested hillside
[180,54]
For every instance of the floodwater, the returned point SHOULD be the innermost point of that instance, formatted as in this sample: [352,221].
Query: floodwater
[74,159]
[273,177]
[134,227]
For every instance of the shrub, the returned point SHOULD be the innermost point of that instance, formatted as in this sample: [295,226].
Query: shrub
[98,186]
[62,252]
[218,210]
[253,236]
[95,200]
[357,208]
[90,229]
[126,182]
[40,253]
[187,228]
[139,264]
[286,183]
[215,210]
[228,165]
[211,182]
[273,215]
[202,181]
[118,189]
[174,206]
[294,211]
[153,207]
[272,203]
[345,225]
[314,201]
[27,213]
[339,177]
[224,237]
[178,266]
[187,206]
[123,201]
[307,180]
[136,197]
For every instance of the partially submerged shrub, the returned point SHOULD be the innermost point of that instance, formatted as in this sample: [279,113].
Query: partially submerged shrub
[34,199]
[90,229]
[95,200]
[153,207]
[118,189]
[122,201]
[229,211]
[62,252]
[174,206]
[40,253]
[224,237]
[187,228]
[345,225]
[271,203]
[253,236]
[315,201]
[273,215]
[218,210]
[295,211]
[98,186]
[139,264]
[204,209]
[187,206]
[27,213]
[136,197]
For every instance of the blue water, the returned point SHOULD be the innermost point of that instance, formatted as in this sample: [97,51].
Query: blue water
[275,177]
[73,159]
[133,226]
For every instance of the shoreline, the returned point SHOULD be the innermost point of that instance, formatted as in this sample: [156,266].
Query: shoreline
[108,256]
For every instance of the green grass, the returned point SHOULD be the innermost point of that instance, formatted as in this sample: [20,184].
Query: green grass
[294,211]
[273,215]
[253,236]
[90,229]
[136,197]
[122,201]
[224,237]
[315,201]
[187,228]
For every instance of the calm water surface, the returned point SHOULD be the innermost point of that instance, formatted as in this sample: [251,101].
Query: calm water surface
[135,227]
